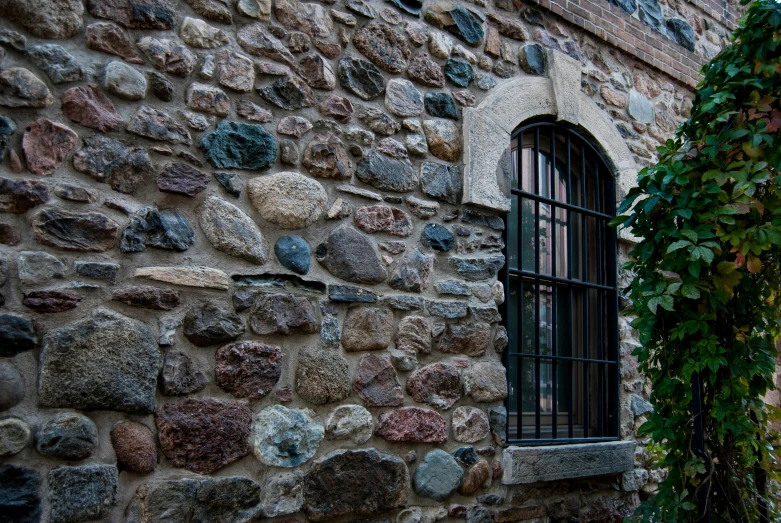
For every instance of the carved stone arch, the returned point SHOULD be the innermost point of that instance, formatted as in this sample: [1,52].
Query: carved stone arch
[488,127]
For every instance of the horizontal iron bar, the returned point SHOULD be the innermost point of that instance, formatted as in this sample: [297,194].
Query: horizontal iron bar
[553,279]
[561,358]
[556,441]
[563,205]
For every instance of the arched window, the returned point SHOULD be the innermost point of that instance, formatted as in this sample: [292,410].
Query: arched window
[561,308]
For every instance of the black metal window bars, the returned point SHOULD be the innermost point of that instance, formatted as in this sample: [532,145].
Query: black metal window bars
[561,309]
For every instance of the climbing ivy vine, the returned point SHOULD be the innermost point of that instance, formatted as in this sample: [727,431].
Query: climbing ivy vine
[707,285]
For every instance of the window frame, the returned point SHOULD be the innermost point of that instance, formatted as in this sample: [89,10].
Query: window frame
[607,290]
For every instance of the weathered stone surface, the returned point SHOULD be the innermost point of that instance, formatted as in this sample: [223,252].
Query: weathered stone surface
[88,106]
[231,182]
[486,382]
[17,335]
[459,71]
[124,81]
[381,218]
[207,99]
[367,328]
[369,482]
[460,21]
[402,98]
[239,145]
[289,93]
[386,173]
[475,478]
[311,19]
[7,130]
[441,181]
[288,199]
[248,369]
[11,383]
[523,465]
[107,160]
[322,376]
[424,70]
[161,86]
[189,276]
[56,20]
[392,148]
[180,178]
[14,436]
[283,314]
[197,33]
[438,384]
[58,64]
[282,495]
[412,424]
[78,365]
[414,335]
[260,9]
[383,45]
[640,108]
[681,32]
[149,227]
[21,88]
[158,125]
[470,424]
[20,494]
[19,196]
[180,375]
[203,434]
[438,476]
[283,437]
[360,78]
[497,419]
[82,493]
[135,447]
[437,237]
[378,121]
[477,268]
[294,126]
[46,144]
[68,436]
[99,270]
[326,157]
[349,255]
[50,301]
[109,38]
[376,382]
[257,41]
[168,56]
[413,272]
[639,405]
[147,297]
[210,322]
[9,235]
[317,72]
[337,107]
[85,231]
[469,339]
[217,10]
[350,422]
[230,230]
[532,59]
[439,44]
[237,72]
[443,138]
[135,14]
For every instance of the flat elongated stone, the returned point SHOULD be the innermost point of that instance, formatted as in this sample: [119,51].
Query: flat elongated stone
[361,78]
[135,14]
[369,482]
[438,384]
[123,167]
[217,10]
[86,231]
[112,39]
[412,424]
[239,145]
[469,339]
[381,218]
[248,369]
[230,230]
[99,270]
[59,20]
[21,88]
[58,64]
[51,301]
[386,173]
[477,268]
[147,297]
[189,276]
[203,434]
[149,227]
[79,363]
[180,178]
[283,437]
[322,376]
[257,41]
[158,125]
[82,493]
[46,144]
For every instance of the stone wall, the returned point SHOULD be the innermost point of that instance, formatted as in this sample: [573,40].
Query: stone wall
[236,279]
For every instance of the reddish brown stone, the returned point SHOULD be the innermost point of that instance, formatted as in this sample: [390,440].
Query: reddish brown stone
[469,339]
[474,478]
[19,196]
[337,107]
[180,178]
[381,218]
[112,39]
[317,72]
[376,382]
[46,144]
[88,106]
[134,445]
[330,50]
[414,335]
[283,314]
[294,126]
[147,297]
[424,70]
[51,301]
[509,27]
[283,395]
[202,434]
[392,148]
[9,235]
[412,424]
[384,46]
[367,328]
[326,157]
[248,369]
[438,384]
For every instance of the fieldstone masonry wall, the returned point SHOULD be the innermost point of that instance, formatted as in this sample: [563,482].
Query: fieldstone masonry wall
[237,280]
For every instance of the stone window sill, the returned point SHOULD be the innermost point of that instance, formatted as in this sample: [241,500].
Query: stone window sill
[522,465]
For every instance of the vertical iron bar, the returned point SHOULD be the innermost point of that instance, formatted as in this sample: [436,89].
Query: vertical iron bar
[600,304]
[584,268]
[537,285]
[554,289]
[615,409]
[703,497]
[571,375]
[519,363]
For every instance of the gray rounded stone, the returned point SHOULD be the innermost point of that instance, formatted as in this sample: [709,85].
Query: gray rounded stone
[231,231]
[293,253]
[350,422]
[351,256]
[283,437]
[288,199]
[282,495]
[37,267]
[124,81]
[68,435]
[11,386]
[322,376]
[14,435]
[105,361]
[438,476]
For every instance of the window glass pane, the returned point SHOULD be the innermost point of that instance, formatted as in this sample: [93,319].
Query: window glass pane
[562,248]
[544,165]
[546,240]
[546,320]
[576,244]
[513,315]
[563,322]
[528,318]
[528,238]
[527,169]
[514,175]
[593,253]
